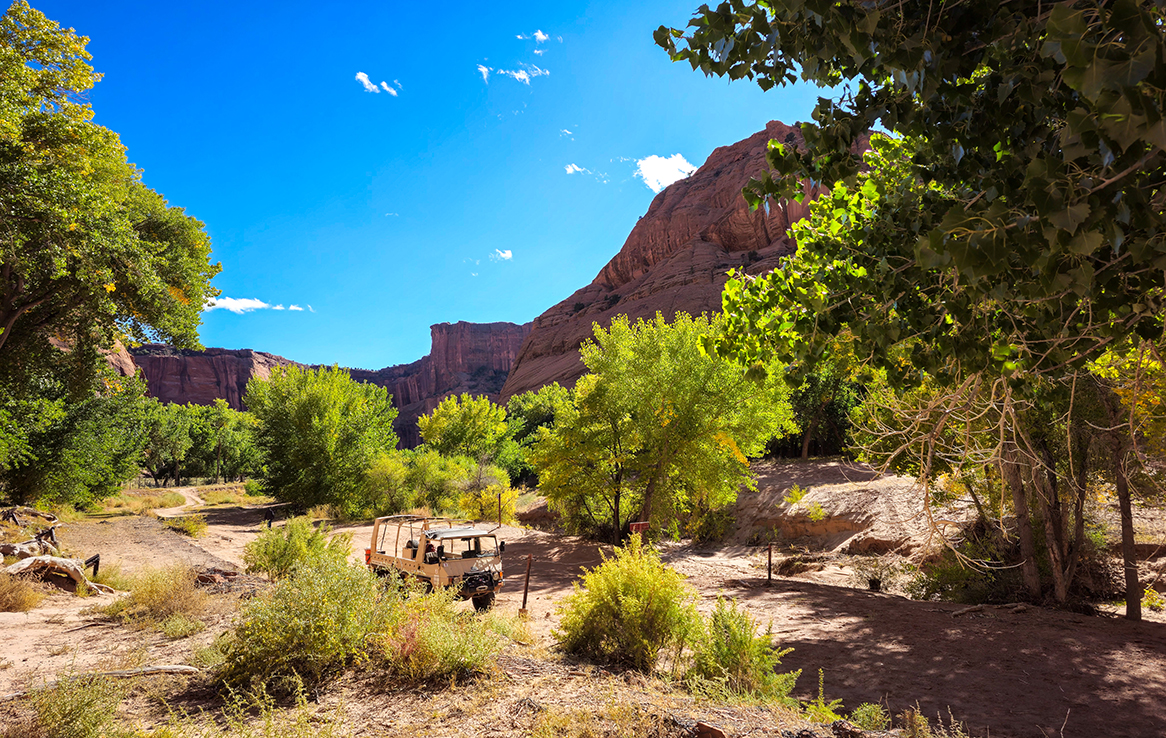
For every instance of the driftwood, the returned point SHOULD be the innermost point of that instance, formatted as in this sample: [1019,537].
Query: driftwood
[71,568]
[43,543]
[119,674]
[13,514]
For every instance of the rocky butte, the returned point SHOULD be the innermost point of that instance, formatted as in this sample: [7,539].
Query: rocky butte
[674,260]
[464,357]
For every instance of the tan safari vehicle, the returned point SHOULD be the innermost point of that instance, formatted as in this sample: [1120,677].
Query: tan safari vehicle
[439,552]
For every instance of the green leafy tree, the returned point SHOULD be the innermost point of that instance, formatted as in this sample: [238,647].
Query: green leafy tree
[87,252]
[659,427]
[222,441]
[318,432]
[464,425]
[169,441]
[1010,229]
[525,414]
[70,449]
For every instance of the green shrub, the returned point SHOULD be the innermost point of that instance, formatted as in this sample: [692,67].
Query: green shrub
[254,488]
[1153,600]
[18,595]
[628,610]
[729,653]
[157,595]
[278,551]
[482,504]
[180,626]
[870,716]
[77,707]
[711,525]
[435,638]
[314,623]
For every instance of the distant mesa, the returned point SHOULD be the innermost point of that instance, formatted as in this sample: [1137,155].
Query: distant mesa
[465,357]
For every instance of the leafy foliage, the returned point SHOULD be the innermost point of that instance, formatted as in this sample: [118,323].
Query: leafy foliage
[464,425]
[78,707]
[310,627]
[278,552]
[628,610]
[730,653]
[69,445]
[89,252]
[318,432]
[656,428]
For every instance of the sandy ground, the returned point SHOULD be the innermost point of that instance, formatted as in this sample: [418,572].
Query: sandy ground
[1040,672]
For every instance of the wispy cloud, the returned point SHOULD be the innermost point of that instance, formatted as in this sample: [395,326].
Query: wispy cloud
[241,305]
[363,79]
[485,72]
[525,74]
[576,169]
[540,52]
[237,305]
[500,255]
[539,36]
[310,309]
[659,172]
[391,90]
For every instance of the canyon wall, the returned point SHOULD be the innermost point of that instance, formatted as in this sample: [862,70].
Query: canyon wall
[674,260]
[464,357]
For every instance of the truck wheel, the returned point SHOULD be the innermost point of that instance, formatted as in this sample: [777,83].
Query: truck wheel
[483,602]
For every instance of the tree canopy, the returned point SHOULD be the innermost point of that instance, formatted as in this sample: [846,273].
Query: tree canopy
[1005,232]
[88,253]
[657,429]
[318,432]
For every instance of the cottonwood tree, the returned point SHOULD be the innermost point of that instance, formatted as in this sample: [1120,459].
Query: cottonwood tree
[464,425]
[658,428]
[87,252]
[1010,231]
[318,432]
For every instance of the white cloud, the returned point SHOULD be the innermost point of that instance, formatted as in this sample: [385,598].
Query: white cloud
[485,72]
[523,75]
[398,84]
[310,310]
[295,308]
[539,36]
[362,78]
[576,169]
[500,255]
[658,172]
[540,52]
[279,307]
[237,305]
[386,88]
[565,132]
[473,274]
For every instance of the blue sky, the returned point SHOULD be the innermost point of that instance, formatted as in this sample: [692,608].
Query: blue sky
[462,196]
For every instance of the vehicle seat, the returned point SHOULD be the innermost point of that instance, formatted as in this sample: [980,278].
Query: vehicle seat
[471,554]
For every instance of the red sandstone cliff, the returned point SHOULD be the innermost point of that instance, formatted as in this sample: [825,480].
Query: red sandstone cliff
[465,357]
[674,260]
[472,358]
[201,377]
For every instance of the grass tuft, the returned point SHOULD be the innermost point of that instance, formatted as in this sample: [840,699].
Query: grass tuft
[18,595]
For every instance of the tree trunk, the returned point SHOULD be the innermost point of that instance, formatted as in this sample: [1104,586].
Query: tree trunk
[1128,554]
[1010,469]
[809,435]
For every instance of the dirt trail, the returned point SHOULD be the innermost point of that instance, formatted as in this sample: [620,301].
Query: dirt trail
[192,500]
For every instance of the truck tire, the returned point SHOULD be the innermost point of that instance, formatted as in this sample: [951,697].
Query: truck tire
[483,602]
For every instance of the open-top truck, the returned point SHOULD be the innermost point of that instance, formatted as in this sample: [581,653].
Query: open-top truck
[439,552]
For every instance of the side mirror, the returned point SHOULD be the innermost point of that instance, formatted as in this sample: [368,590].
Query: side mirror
[502,547]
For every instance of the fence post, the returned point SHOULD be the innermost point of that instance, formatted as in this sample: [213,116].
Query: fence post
[769,568]
[526,585]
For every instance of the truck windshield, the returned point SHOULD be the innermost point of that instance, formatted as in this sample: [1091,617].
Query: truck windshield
[471,548]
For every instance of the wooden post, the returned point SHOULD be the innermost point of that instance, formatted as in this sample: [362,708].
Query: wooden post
[769,568]
[526,585]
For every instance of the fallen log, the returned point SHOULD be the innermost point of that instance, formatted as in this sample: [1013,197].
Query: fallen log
[71,568]
[118,674]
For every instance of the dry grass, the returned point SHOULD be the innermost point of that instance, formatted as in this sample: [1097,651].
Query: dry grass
[190,525]
[158,596]
[139,501]
[619,719]
[18,595]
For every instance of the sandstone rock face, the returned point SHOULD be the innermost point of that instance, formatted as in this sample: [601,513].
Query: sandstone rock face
[201,377]
[472,358]
[465,357]
[674,260]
